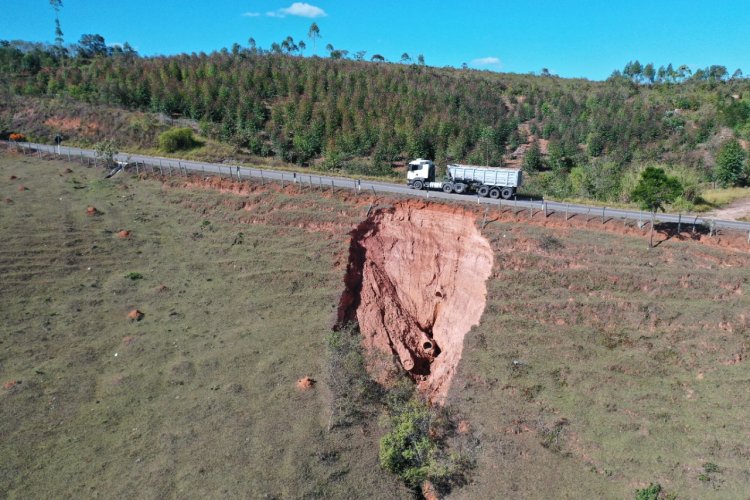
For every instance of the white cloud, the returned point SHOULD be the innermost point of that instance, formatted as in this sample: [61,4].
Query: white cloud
[251,14]
[299,9]
[486,61]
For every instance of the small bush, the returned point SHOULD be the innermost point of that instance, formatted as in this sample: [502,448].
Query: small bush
[549,243]
[177,139]
[651,493]
[415,448]
[134,276]
[17,137]
[710,467]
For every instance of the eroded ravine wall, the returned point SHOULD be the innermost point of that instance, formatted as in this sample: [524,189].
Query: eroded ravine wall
[416,284]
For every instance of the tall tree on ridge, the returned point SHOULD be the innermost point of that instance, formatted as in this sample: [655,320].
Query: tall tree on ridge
[57,5]
[313,34]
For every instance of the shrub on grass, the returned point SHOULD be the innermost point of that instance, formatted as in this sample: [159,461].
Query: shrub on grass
[651,493]
[177,139]
[415,448]
[17,137]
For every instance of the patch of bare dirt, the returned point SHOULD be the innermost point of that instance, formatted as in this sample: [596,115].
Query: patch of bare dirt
[305,383]
[92,211]
[135,315]
[736,210]
[415,284]
[63,123]
[124,234]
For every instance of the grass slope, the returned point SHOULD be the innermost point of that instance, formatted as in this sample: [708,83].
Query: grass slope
[599,366]
[202,402]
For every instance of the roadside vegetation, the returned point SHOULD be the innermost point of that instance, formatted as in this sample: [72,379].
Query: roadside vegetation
[575,139]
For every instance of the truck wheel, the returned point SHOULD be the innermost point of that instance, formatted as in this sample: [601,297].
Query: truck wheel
[417,185]
[483,191]
[494,193]
[459,188]
[506,193]
[448,187]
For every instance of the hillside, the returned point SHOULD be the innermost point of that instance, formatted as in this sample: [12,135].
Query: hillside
[576,138]
[597,366]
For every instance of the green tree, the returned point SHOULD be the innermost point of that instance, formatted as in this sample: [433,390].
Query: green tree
[92,45]
[57,5]
[730,164]
[654,189]
[106,150]
[649,73]
[313,34]
[532,160]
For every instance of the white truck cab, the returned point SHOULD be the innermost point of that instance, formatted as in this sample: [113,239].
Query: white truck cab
[420,170]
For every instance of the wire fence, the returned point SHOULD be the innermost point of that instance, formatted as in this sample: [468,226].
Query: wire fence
[167,167]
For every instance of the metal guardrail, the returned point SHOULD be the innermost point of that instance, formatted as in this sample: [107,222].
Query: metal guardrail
[170,166]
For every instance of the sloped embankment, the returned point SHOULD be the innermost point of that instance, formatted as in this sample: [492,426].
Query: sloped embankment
[416,285]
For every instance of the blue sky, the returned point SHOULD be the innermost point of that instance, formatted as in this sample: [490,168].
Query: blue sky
[576,38]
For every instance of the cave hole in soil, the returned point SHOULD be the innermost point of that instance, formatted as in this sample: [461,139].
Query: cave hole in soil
[416,284]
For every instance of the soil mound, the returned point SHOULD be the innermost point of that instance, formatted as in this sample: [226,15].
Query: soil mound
[135,315]
[92,211]
[8,201]
[22,188]
[123,234]
[13,177]
[416,285]
[305,383]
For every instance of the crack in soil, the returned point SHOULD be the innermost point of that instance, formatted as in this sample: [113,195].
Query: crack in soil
[416,284]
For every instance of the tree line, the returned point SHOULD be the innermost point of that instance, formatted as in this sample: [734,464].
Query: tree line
[343,113]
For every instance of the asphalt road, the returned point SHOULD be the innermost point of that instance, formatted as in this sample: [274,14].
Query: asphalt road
[176,167]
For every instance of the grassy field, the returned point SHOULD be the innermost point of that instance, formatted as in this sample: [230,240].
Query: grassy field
[599,366]
[198,399]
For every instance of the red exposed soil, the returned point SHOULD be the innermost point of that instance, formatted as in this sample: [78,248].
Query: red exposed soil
[11,384]
[724,239]
[162,288]
[23,188]
[429,492]
[416,285]
[92,211]
[305,383]
[135,315]
[123,234]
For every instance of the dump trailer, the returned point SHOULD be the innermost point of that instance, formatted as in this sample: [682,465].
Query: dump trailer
[484,181]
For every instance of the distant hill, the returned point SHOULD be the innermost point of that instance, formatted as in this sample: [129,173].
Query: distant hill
[583,138]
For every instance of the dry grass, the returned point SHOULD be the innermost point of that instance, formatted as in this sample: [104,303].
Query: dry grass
[599,366]
[722,197]
[603,366]
[197,399]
